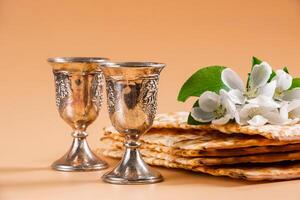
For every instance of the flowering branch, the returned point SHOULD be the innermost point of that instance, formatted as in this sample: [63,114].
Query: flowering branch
[269,97]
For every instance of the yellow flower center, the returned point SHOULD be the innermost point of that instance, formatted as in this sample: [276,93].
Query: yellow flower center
[219,112]
[253,112]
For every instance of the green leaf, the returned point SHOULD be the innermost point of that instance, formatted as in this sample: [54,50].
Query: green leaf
[286,70]
[191,120]
[205,79]
[255,61]
[295,83]
[272,76]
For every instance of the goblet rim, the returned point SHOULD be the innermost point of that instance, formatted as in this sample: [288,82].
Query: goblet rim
[133,64]
[77,59]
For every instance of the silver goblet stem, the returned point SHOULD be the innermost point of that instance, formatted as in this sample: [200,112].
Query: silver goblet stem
[132,90]
[79,86]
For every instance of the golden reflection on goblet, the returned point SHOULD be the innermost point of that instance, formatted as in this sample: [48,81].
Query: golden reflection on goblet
[131,94]
[79,86]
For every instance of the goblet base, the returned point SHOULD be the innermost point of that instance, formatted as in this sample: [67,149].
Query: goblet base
[79,158]
[66,166]
[115,178]
[132,170]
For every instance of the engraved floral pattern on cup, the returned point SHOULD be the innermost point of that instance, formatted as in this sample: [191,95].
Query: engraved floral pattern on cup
[62,88]
[149,95]
[97,89]
[111,96]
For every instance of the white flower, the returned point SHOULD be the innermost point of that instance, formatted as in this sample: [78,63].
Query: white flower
[252,114]
[218,109]
[283,83]
[290,95]
[291,111]
[264,101]
[268,90]
[259,76]
[258,83]
[257,115]
[237,90]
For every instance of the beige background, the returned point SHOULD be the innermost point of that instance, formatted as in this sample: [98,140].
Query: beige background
[185,34]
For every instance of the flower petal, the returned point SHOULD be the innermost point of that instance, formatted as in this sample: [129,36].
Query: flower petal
[257,120]
[237,117]
[232,80]
[247,110]
[277,118]
[284,80]
[260,75]
[268,90]
[293,105]
[209,101]
[222,120]
[284,111]
[231,109]
[293,94]
[201,116]
[294,109]
[237,96]
[227,103]
[264,101]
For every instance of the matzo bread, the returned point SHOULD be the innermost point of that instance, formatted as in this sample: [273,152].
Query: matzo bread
[280,171]
[118,143]
[193,139]
[259,158]
[175,120]
[277,132]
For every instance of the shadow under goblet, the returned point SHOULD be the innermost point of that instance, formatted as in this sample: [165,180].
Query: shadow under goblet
[79,86]
[131,95]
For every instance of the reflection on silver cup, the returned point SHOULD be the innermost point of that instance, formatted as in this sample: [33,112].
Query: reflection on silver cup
[79,86]
[131,95]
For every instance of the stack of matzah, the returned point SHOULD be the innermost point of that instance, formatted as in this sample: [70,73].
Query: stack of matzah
[268,152]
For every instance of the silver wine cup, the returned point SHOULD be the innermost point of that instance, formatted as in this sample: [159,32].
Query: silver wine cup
[79,86]
[131,95]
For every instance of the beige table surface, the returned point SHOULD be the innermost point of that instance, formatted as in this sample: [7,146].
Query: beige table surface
[37,181]
[185,34]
